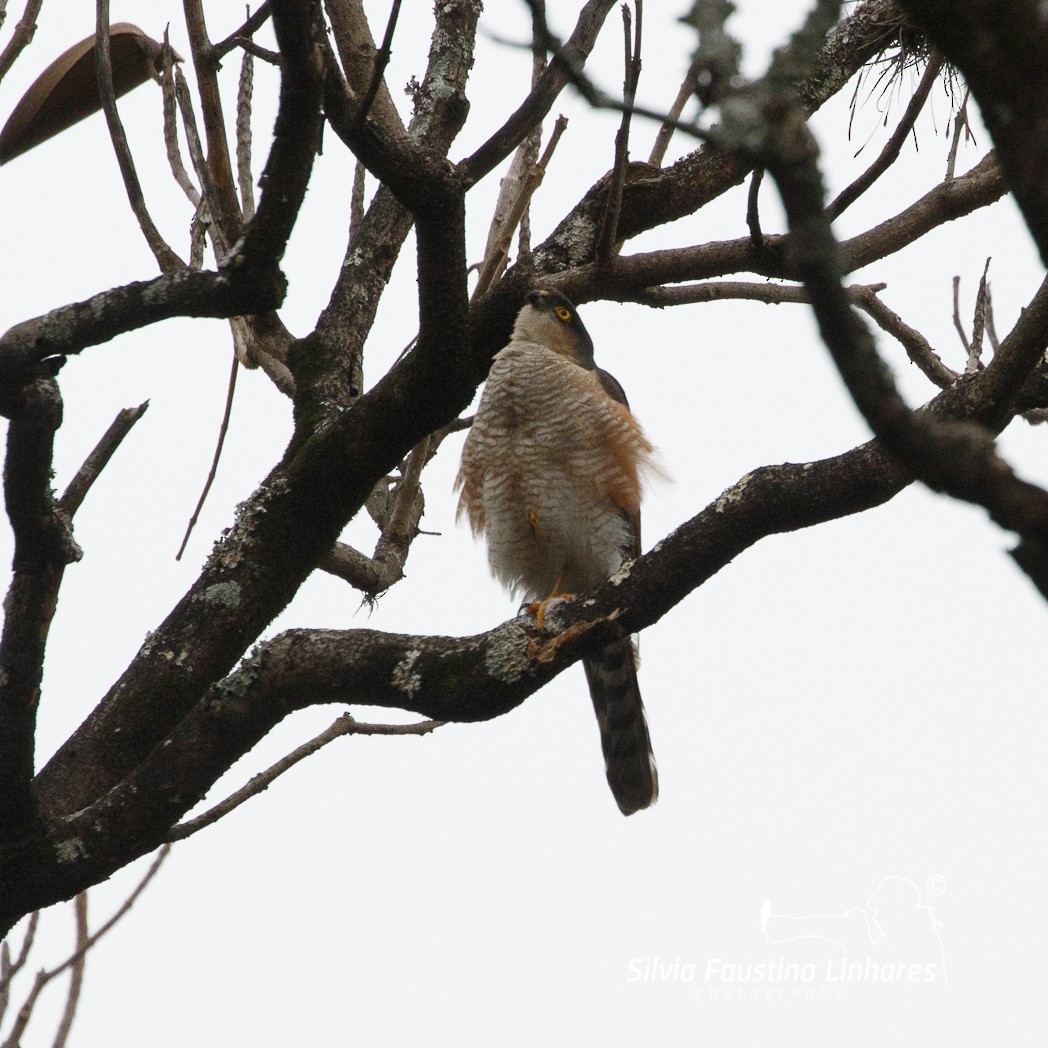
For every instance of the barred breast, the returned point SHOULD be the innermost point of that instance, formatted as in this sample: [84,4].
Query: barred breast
[549,469]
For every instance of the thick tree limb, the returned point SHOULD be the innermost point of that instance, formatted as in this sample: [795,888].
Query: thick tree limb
[43,547]
[71,329]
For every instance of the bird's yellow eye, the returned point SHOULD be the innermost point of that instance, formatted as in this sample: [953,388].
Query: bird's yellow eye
[564,313]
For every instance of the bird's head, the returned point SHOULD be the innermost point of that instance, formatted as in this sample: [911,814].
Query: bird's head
[549,319]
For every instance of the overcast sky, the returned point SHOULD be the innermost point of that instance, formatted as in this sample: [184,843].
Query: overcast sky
[848,721]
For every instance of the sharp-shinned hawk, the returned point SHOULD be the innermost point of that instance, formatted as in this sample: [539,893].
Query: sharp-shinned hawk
[551,474]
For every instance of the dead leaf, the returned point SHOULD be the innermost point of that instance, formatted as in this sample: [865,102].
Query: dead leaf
[67,90]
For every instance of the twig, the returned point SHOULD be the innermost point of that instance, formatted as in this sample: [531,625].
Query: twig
[665,133]
[198,228]
[399,525]
[753,216]
[890,153]
[356,199]
[76,973]
[528,151]
[568,61]
[959,460]
[121,911]
[382,56]
[405,513]
[345,725]
[221,192]
[22,36]
[10,968]
[727,290]
[991,327]
[223,429]
[917,347]
[84,944]
[248,29]
[610,220]
[166,258]
[957,323]
[200,165]
[960,124]
[93,465]
[974,361]
[500,247]
[249,47]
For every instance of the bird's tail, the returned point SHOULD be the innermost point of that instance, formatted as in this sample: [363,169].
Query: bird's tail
[628,760]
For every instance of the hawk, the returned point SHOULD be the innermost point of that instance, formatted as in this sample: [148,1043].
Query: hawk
[551,474]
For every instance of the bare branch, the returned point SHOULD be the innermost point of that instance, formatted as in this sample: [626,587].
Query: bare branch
[345,725]
[22,36]
[382,57]
[99,458]
[1007,82]
[166,258]
[960,126]
[958,460]
[356,199]
[249,47]
[224,210]
[626,275]
[246,31]
[662,139]
[974,362]
[606,238]
[531,112]
[731,290]
[223,429]
[10,968]
[753,217]
[75,961]
[499,240]
[890,153]
[917,347]
[357,54]
[76,972]
[957,323]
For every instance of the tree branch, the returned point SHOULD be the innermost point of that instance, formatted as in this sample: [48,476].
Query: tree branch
[534,109]
[43,546]
[166,258]
[890,153]
[81,484]
[345,725]
[1001,47]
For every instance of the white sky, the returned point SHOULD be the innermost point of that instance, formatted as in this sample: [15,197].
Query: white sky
[840,706]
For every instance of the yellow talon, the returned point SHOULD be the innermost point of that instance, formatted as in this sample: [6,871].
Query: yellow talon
[538,608]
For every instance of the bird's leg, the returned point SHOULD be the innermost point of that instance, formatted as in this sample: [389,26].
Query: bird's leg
[538,609]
